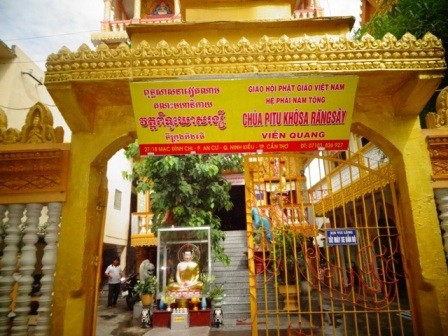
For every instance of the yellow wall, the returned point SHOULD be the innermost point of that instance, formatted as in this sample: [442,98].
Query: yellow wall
[234,31]
[265,12]
[99,132]
[82,221]
[401,139]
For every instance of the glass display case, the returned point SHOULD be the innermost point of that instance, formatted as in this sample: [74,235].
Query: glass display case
[183,255]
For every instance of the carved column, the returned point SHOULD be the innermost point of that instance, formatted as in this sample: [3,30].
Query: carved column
[318,10]
[107,10]
[4,287]
[9,262]
[106,15]
[3,209]
[442,202]
[48,267]
[137,9]
[27,261]
[176,10]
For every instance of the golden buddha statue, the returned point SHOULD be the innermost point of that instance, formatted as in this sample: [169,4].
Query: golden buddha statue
[187,275]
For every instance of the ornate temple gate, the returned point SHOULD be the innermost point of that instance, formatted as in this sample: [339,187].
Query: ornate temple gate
[325,254]
[397,77]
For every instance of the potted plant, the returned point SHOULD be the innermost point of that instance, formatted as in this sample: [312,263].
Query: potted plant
[288,250]
[207,280]
[217,293]
[146,290]
[168,300]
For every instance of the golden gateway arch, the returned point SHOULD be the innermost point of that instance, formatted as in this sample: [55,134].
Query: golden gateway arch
[396,79]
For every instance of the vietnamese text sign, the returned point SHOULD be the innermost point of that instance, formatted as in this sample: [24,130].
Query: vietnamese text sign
[341,237]
[244,115]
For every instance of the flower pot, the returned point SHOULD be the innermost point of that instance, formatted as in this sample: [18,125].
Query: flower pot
[291,297]
[147,299]
[217,301]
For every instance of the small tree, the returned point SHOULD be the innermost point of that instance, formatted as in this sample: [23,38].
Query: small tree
[417,18]
[188,188]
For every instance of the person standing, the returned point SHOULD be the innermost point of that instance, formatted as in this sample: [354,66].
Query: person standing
[114,274]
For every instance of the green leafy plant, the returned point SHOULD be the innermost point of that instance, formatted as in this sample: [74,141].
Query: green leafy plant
[149,286]
[261,242]
[217,291]
[186,190]
[288,252]
[207,280]
[417,18]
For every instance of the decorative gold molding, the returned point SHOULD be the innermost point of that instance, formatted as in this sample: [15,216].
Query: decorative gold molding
[268,55]
[436,137]
[38,128]
[34,162]
[440,118]
[143,240]
[438,152]
[39,170]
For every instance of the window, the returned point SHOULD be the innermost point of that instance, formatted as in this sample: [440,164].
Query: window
[117,200]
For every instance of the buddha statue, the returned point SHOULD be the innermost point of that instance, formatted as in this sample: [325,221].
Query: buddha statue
[187,275]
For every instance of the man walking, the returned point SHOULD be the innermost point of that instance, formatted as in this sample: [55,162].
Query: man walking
[114,274]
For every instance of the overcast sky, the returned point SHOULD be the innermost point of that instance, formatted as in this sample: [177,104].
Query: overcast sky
[42,27]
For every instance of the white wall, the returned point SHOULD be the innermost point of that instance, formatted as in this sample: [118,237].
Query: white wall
[117,221]
[342,8]
[19,91]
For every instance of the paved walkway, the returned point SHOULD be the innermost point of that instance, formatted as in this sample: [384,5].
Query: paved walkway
[117,321]
[120,321]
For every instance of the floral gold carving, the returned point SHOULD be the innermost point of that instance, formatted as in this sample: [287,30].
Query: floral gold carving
[143,240]
[33,170]
[268,55]
[437,141]
[33,160]
[438,152]
[439,119]
[38,128]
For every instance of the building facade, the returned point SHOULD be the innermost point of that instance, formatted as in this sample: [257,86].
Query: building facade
[91,89]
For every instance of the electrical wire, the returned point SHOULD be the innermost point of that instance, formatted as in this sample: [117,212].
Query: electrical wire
[23,108]
[48,36]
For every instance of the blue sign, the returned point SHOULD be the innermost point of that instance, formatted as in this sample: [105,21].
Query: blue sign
[341,237]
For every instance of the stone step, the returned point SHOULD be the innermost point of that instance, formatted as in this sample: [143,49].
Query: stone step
[235,277]
[236,233]
[231,318]
[236,255]
[234,258]
[237,266]
[235,240]
[235,249]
